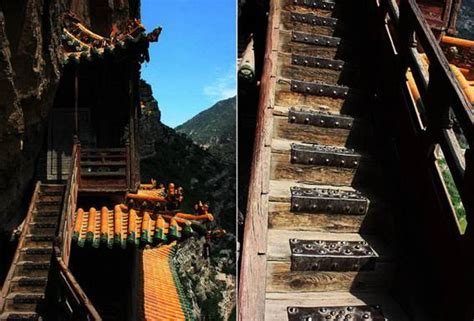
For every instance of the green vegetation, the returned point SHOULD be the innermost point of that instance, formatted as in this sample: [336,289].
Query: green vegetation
[203,176]
[453,194]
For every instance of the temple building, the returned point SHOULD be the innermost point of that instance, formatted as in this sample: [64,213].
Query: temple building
[96,244]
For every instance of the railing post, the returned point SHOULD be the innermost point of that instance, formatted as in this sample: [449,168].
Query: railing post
[406,35]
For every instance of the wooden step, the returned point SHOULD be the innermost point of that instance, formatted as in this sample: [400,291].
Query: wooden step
[38,256]
[40,237]
[19,316]
[48,207]
[48,198]
[354,134]
[103,150]
[26,284]
[104,163]
[312,23]
[312,44]
[48,212]
[321,8]
[346,100]
[103,174]
[24,302]
[278,248]
[37,250]
[52,188]
[310,68]
[276,304]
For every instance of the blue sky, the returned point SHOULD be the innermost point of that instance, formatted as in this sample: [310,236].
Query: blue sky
[193,64]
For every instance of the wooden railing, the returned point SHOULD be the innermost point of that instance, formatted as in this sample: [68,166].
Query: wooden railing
[62,283]
[26,222]
[133,166]
[441,97]
[68,293]
[66,223]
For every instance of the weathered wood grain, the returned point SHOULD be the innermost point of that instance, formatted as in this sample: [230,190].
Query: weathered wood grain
[253,265]
[348,76]
[288,24]
[283,169]
[356,138]
[280,278]
[280,217]
[279,247]
[280,190]
[351,105]
[344,51]
[277,303]
[289,5]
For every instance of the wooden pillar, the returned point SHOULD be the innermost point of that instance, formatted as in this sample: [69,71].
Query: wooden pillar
[76,101]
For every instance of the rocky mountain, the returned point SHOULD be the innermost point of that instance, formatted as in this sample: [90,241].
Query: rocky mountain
[169,156]
[214,129]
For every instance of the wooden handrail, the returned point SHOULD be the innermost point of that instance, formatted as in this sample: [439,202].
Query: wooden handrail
[29,215]
[66,223]
[440,93]
[87,309]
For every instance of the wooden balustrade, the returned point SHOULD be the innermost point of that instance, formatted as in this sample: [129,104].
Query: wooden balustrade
[440,94]
[66,223]
[70,293]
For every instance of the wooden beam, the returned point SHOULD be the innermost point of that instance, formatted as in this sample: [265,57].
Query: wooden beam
[253,265]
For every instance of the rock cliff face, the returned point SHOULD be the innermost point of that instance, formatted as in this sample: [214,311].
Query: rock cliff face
[30,71]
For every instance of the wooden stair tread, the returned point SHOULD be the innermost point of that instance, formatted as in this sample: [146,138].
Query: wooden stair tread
[278,248]
[277,303]
[281,279]
[280,189]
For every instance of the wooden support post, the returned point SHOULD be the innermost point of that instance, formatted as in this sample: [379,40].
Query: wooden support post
[76,101]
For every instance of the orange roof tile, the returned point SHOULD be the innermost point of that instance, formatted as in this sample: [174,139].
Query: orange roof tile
[163,298]
[123,225]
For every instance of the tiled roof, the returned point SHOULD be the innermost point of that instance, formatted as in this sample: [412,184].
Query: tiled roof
[163,298]
[124,225]
[80,43]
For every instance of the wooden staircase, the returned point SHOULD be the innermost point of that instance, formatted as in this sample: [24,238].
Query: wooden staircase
[323,210]
[23,292]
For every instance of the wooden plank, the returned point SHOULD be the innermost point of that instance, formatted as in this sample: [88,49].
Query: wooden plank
[348,76]
[281,279]
[283,169]
[288,24]
[350,105]
[280,190]
[276,303]
[356,138]
[280,217]
[251,299]
[279,248]
[289,5]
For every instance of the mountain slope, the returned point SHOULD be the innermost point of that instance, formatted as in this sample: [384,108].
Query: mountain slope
[168,156]
[214,130]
